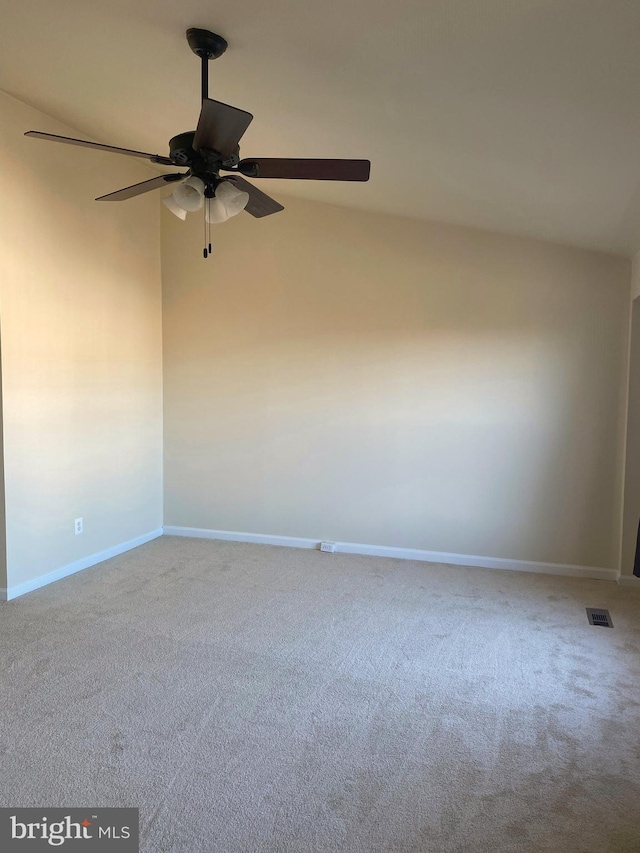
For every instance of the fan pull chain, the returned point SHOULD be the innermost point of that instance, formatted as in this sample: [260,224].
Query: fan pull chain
[209,216]
[204,222]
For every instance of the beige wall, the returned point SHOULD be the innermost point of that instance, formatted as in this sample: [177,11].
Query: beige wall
[80,314]
[635,276]
[3,528]
[328,374]
[340,375]
[632,460]
[631,513]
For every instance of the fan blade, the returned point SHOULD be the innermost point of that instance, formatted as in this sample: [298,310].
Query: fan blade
[260,204]
[155,158]
[220,127]
[310,170]
[143,187]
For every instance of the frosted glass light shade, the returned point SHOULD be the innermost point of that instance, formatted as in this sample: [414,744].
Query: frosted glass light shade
[215,212]
[233,199]
[170,203]
[189,194]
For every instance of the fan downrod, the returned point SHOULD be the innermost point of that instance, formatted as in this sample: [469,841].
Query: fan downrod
[205,44]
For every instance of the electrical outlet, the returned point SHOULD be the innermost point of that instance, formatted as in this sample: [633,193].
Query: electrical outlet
[328,547]
[78,526]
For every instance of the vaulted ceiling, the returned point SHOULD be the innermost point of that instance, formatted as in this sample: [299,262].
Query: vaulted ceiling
[521,116]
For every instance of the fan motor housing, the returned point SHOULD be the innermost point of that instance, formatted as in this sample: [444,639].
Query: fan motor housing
[181,148]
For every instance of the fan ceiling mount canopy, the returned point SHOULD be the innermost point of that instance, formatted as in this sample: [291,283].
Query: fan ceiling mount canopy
[214,147]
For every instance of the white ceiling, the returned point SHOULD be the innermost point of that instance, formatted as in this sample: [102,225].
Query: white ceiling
[521,116]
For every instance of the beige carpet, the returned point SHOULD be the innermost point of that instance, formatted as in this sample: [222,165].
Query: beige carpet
[253,699]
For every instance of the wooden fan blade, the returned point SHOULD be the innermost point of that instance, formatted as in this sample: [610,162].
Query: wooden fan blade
[260,204]
[52,137]
[220,127]
[302,169]
[143,187]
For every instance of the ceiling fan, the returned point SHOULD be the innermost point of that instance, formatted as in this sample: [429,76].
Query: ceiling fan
[213,147]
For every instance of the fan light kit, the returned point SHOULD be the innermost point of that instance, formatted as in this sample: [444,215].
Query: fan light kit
[213,147]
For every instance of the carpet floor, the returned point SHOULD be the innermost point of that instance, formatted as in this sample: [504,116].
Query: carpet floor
[257,699]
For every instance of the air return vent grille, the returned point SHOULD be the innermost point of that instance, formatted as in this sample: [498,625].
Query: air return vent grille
[599,617]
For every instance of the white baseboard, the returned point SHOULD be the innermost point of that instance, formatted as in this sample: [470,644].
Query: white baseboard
[401,553]
[234,536]
[70,569]
[629,580]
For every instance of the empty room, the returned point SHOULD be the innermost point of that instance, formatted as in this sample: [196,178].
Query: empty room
[320,426]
